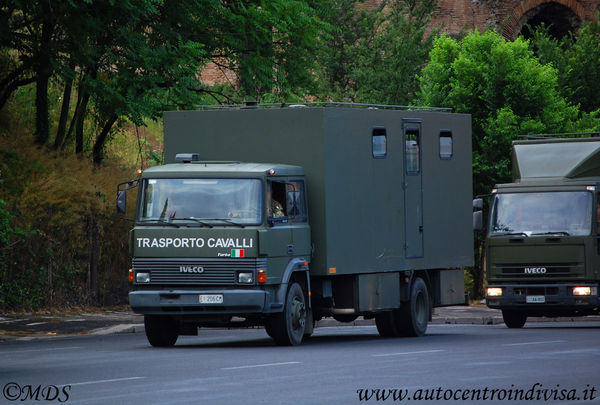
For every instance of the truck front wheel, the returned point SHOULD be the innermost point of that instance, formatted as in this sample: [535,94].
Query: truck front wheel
[514,319]
[287,328]
[161,330]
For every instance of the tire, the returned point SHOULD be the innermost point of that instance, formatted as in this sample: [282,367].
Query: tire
[161,330]
[386,325]
[412,318]
[514,319]
[287,328]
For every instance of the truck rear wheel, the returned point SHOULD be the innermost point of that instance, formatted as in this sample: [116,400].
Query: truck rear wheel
[386,325]
[514,319]
[287,328]
[413,317]
[161,330]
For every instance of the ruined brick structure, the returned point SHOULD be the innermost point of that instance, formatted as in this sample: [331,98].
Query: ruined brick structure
[511,16]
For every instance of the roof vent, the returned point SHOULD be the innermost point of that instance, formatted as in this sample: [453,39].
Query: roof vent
[187,157]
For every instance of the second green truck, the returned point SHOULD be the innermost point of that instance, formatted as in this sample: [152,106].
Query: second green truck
[543,241]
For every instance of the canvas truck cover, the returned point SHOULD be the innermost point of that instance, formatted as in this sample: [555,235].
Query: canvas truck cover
[556,158]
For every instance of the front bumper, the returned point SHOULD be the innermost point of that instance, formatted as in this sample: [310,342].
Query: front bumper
[187,302]
[558,300]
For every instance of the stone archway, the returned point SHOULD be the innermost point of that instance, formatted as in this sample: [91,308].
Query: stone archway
[563,15]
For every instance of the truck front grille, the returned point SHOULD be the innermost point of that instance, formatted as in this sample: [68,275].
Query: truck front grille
[176,271]
[536,270]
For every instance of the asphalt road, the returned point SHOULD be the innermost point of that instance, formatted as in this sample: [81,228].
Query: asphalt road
[552,362]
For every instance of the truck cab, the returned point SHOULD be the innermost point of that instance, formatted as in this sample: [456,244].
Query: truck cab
[214,241]
[543,241]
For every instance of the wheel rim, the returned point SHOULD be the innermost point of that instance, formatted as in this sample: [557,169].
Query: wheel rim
[298,313]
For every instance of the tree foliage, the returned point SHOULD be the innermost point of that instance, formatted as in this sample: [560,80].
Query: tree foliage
[507,91]
[374,55]
[132,59]
[504,87]
[577,59]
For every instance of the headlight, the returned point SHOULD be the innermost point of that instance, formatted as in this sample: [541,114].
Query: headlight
[142,277]
[494,292]
[585,291]
[245,278]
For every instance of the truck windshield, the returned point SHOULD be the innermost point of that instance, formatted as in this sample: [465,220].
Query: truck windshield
[562,213]
[214,201]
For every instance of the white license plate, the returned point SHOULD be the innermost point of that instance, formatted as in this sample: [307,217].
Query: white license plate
[535,299]
[211,299]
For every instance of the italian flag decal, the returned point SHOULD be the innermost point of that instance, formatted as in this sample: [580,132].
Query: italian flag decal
[237,252]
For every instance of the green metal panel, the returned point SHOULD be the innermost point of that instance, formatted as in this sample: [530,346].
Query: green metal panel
[451,287]
[378,291]
[355,202]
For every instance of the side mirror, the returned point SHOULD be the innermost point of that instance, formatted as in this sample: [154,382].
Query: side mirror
[478,220]
[121,201]
[122,194]
[478,204]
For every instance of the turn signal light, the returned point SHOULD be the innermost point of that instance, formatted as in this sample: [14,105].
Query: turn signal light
[262,276]
[494,292]
[131,276]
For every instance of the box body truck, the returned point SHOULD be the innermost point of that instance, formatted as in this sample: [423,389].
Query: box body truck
[281,217]
[543,241]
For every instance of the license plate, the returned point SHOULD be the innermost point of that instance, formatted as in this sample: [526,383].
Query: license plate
[211,299]
[535,299]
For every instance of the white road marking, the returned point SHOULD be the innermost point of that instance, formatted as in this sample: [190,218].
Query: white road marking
[40,350]
[407,353]
[36,323]
[534,343]
[104,381]
[262,365]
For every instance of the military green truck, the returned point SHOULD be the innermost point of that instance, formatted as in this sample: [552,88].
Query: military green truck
[349,212]
[543,240]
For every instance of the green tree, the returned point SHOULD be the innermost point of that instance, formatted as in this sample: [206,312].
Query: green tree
[577,59]
[504,87]
[374,55]
[134,58]
[353,27]
[507,91]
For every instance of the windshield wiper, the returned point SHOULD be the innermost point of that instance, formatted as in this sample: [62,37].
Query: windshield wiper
[193,219]
[226,220]
[510,234]
[553,233]
[158,222]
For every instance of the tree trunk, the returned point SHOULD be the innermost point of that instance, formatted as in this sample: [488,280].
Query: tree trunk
[97,151]
[93,254]
[64,113]
[79,123]
[42,131]
[43,73]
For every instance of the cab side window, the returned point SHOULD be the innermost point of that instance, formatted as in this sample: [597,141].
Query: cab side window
[277,204]
[295,201]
